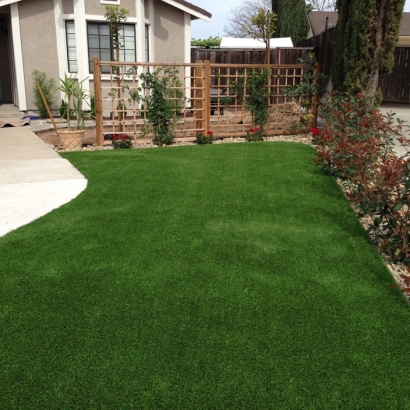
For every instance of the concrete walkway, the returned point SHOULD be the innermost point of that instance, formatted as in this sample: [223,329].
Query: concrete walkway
[402,111]
[34,179]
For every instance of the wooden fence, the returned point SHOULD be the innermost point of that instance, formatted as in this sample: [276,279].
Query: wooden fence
[395,87]
[248,56]
[208,97]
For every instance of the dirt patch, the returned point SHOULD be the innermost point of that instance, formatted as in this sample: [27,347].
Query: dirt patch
[50,137]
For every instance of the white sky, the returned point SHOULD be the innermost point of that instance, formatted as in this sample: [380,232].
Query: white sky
[220,10]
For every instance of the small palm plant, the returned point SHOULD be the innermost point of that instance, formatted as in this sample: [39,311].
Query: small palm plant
[75,96]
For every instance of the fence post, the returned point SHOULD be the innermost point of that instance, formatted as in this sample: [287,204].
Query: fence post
[315,98]
[199,96]
[98,102]
[276,77]
[207,95]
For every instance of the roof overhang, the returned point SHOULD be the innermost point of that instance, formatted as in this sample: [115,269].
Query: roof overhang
[189,8]
[7,2]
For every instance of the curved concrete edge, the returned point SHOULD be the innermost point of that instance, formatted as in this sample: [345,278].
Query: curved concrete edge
[23,203]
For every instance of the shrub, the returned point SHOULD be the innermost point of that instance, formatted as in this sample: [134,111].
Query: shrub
[202,139]
[63,109]
[92,106]
[356,145]
[257,96]
[308,88]
[163,101]
[121,141]
[49,89]
[254,134]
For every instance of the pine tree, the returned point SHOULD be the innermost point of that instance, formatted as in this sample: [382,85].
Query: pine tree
[367,33]
[292,21]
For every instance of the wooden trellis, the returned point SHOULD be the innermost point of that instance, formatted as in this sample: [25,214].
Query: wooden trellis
[214,99]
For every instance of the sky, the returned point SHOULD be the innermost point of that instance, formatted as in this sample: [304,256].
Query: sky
[220,10]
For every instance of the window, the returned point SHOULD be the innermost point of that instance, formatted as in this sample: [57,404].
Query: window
[71,47]
[100,45]
[147,43]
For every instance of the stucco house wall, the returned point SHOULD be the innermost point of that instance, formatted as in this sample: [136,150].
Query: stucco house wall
[38,37]
[169,33]
[68,6]
[96,7]
[39,47]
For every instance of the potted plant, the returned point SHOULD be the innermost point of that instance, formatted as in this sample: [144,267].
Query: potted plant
[75,96]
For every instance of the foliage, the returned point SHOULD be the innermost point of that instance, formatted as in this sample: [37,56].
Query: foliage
[292,21]
[254,134]
[115,16]
[367,33]
[241,17]
[209,42]
[257,97]
[63,109]
[92,106]
[253,18]
[161,94]
[356,145]
[121,141]
[49,88]
[262,27]
[202,139]
[309,87]
[404,285]
[75,96]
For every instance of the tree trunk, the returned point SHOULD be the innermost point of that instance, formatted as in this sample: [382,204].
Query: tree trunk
[373,83]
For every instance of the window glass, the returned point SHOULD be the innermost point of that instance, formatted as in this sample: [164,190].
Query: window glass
[100,45]
[71,47]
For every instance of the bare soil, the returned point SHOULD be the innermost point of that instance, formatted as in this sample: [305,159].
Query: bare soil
[50,137]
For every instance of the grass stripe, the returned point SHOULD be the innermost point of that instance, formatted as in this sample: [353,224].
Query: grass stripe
[215,277]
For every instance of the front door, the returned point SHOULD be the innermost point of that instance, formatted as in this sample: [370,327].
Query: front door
[6,95]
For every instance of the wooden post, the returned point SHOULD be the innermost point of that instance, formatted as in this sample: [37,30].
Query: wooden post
[315,99]
[276,80]
[98,102]
[45,103]
[207,95]
[199,96]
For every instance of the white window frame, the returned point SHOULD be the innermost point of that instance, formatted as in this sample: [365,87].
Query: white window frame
[100,23]
[74,49]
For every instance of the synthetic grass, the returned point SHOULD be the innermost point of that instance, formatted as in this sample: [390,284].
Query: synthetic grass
[210,277]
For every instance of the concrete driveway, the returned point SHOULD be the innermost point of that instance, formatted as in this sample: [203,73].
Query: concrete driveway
[402,111]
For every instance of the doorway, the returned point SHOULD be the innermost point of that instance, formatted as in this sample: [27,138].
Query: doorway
[6,95]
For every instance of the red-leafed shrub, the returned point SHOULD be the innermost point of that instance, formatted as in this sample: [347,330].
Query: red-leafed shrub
[356,145]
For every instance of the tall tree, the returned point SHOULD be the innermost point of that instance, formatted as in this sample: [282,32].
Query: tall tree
[263,27]
[292,21]
[241,17]
[367,33]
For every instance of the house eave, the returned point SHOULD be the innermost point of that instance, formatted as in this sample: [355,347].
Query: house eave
[7,2]
[194,13]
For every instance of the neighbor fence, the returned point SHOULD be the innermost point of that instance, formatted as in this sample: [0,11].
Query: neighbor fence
[395,87]
[207,98]
[249,56]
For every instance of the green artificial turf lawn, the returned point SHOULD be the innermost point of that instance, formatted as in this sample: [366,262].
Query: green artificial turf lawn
[207,277]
